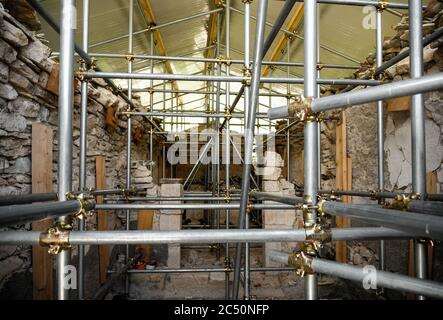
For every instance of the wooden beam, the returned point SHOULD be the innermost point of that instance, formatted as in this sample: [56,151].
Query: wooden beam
[53,81]
[431,187]
[42,261]
[144,222]
[343,182]
[398,104]
[102,217]
[149,15]
[283,40]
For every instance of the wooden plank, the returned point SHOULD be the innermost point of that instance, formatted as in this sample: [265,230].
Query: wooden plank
[431,187]
[144,222]
[283,40]
[53,81]
[343,182]
[102,217]
[42,261]
[398,104]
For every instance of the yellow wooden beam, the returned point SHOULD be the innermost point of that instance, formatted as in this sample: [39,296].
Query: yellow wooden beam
[158,39]
[282,41]
[212,37]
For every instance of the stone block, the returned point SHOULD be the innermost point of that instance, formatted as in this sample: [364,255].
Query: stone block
[37,52]
[4,72]
[174,256]
[14,35]
[170,222]
[271,186]
[7,53]
[271,246]
[20,83]
[279,217]
[7,91]
[171,190]
[271,173]
[273,159]
[12,122]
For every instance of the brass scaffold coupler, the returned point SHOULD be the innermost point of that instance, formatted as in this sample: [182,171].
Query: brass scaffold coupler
[301,261]
[56,238]
[301,109]
[382,5]
[87,203]
[400,202]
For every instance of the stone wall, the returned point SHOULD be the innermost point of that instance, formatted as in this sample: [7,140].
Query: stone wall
[362,139]
[25,69]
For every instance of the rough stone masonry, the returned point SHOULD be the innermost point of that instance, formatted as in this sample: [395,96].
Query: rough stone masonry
[26,68]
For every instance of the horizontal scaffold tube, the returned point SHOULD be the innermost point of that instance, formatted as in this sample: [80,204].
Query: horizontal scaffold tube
[272,197]
[17,214]
[382,279]
[383,92]
[198,236]
[203,206]
[197,198]
[197,77]
[417,224]
[363,3]
[211,60]
[426,207]
[27,198]
[204,270]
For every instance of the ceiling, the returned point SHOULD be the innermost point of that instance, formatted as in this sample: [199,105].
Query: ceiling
[340,28]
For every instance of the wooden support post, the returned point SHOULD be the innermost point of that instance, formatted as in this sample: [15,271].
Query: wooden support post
[102,216]
[431,187]
[343,182]
[144,222]
[42,262]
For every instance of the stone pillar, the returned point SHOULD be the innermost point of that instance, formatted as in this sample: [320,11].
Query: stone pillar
[275,219]
[171,219]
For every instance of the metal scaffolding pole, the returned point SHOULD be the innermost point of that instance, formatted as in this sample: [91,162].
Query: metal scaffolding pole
[418,143]
[380,125]
[362,3]
[310,130]
[417,224]
[392,90]
[381,278]
[326,48]
[197,236]
[151,97]
[129,130]
[185,58]
[187,206]
[227,134]
[65,111]
[23,213]
[249,129]
[155,27]
[27,198]
[212,78]
[83,145]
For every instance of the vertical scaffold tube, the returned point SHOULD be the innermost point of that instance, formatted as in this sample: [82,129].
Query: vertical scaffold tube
[418,143]
[249,131]
[310,129]
[66,89]
[83,145]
